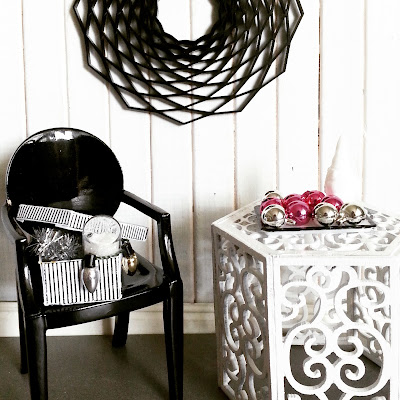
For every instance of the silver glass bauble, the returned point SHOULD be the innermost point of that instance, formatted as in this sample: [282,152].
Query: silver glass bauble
[90,273]
[271,194]
[273,215]
[352,213]
[325,213]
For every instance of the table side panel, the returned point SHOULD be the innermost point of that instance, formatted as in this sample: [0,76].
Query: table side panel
[347,306]
[245,321]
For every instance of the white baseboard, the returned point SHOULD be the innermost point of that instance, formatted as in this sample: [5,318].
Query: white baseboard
[198,318]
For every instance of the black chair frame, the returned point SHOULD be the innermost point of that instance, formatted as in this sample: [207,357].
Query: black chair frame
[35,318]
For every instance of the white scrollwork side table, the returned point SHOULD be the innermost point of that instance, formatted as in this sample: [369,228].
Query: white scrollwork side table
[307,315]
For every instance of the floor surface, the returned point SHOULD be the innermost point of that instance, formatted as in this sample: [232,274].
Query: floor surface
[88,367]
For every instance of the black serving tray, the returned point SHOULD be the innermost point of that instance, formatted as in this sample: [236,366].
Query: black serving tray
[314,225]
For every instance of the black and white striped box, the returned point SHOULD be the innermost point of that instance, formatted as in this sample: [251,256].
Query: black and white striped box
[62,283]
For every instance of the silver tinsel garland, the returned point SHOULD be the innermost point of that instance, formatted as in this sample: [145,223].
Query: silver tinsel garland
[56,244]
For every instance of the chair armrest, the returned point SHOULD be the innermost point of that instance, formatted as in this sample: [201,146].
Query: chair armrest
[143,206]
[31,298]
[167,252]
[24,276]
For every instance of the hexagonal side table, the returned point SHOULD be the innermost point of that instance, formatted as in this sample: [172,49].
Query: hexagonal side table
[307,315]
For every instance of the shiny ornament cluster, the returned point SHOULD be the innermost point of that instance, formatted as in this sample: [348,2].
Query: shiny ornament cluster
[300,209]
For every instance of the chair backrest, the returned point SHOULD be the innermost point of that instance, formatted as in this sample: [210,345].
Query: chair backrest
[65,168]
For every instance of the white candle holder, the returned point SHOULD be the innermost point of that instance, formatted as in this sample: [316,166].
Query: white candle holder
[101,236]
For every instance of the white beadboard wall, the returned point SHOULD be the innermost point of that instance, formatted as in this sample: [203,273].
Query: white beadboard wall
[342,79]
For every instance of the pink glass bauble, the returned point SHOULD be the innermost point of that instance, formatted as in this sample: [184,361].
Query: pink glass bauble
[334,200]
[298,212]
[290,198]
[313,198]
[305,194]
[267,202]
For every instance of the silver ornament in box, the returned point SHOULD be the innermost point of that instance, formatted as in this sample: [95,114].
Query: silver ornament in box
[90,273]
[130,260]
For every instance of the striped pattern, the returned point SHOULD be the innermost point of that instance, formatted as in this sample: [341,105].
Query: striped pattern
[62,283]
[72,220]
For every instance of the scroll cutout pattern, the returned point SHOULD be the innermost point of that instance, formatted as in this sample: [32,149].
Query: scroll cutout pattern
[244,335]
[184,80]
[336,328]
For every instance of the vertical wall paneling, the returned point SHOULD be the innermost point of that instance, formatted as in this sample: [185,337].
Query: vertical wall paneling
[172,190]
[298,107]
[172,160]
[12,122]
[341,79]
[256,138]
[342,84]
[45,64]
[213,144]
[382,104]
[87,92]
[256,146]
[130,141]
[213,172]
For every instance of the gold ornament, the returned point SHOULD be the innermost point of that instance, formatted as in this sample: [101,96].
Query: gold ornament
[130,261]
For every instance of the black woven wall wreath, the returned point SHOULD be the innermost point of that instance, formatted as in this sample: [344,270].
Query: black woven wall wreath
[184,80]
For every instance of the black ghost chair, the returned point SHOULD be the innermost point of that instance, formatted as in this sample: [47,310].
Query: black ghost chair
[72,169]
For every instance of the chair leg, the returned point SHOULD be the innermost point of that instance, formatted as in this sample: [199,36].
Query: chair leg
[173,327]
[37,357]
[120,330]
[22,340]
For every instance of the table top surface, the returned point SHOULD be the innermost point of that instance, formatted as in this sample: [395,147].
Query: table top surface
[383,239]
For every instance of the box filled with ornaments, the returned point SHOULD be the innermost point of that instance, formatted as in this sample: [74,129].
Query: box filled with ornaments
[310,210]
[80,262]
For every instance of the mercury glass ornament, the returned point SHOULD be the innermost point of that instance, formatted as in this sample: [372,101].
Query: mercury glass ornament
[305,194]
[326,213]
[90,273]
[273,215]
[267,202]
[291,198]
[336,201]
[298,213]
[130,261]
[271,194]
[352,213]
[313,198]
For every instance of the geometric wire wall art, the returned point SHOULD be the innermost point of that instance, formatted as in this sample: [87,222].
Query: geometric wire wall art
[184,80]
